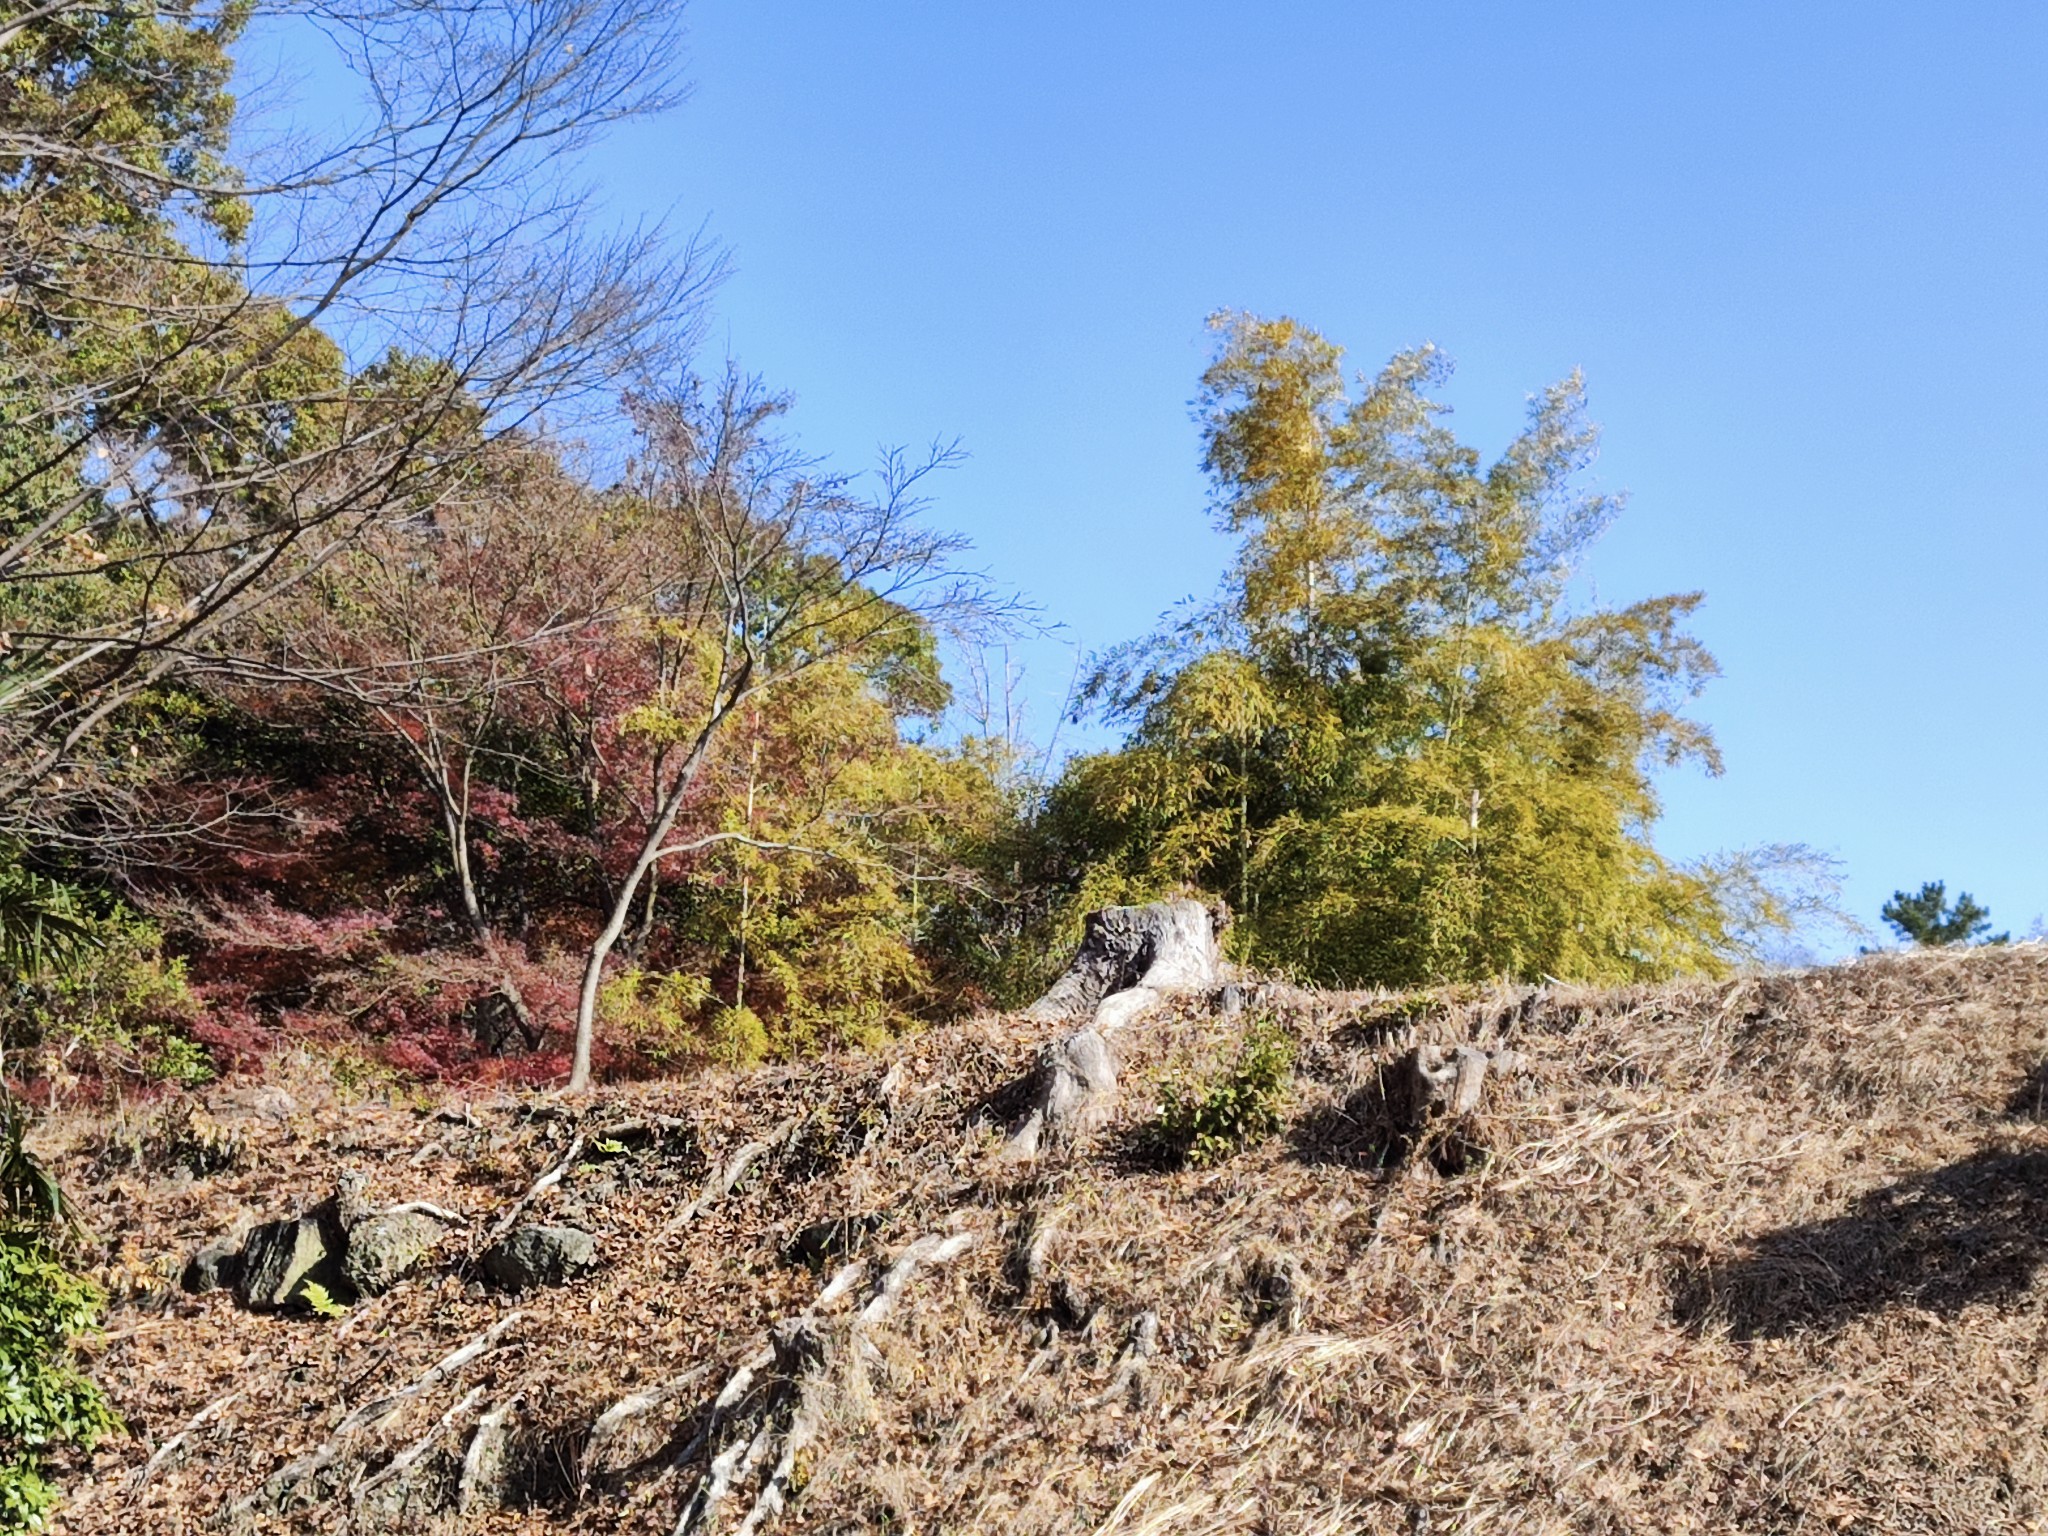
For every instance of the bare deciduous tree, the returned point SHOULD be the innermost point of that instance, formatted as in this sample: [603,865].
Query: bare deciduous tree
[214,383]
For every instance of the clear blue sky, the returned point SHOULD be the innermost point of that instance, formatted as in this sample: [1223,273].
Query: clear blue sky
[1800,251]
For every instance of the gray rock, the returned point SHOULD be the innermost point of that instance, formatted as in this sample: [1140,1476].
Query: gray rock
[540,1256]
[282,1257]
[216,1267]
[382,1250]
[487,1465]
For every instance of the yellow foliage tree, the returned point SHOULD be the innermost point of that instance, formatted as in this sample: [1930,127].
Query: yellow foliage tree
[1394,743]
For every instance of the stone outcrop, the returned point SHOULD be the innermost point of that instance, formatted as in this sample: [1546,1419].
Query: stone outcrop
[383,1249]
[345,1246]
[540,1256]
[215,1267]
[281,1258]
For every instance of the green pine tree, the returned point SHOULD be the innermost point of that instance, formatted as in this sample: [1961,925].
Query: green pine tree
[1926,917]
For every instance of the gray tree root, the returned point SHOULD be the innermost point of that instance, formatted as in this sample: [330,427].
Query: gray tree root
[411,1456]
[771,1405]
[722,1180]
[282,1486]
[484,1464]
[535,1190]
[620,1419]
[1133,1364]
[1130,959]
[177,1442]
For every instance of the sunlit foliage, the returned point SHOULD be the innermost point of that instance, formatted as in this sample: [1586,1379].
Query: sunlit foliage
[1396,742]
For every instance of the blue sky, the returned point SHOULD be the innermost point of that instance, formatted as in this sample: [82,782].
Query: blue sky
[1799,252]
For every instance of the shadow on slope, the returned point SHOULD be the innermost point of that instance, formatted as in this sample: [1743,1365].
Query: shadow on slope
[1368,1132]
[1973,1231]
[2030,1100]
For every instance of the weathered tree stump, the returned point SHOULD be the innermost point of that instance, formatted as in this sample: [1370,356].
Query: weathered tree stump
[1425,1083]
[1430,1086]
[1161,945]
[1129,959]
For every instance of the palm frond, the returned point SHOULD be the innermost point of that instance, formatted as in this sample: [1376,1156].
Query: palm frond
[29,1194]
[40,920]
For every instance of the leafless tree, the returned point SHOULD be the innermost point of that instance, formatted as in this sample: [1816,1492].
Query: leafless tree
[211,421]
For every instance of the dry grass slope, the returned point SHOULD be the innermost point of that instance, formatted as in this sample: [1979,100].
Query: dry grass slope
[1760,1256]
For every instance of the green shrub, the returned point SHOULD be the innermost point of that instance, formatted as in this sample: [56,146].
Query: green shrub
[45,1400]
[675,1018]
[738,1037]
[113,1000]
[29,1196]
[655,1014]
[1204,1122]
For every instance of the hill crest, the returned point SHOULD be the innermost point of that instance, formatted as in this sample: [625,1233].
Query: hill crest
[1759,1254]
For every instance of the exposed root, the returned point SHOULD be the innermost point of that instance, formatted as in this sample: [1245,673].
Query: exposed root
[440,1213]
[728,1465]
[770,1502]
[770,1405]
[926,1250]
[723,1180]
[1133,1364]
[483,1464]
[281,1486]
[408,1458]
[539,1187]
[606,1429]
[171,1446]
[735,1400]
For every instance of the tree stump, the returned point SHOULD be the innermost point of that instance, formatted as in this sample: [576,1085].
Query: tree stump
[1425,1084]
[1129,959]
[1429,1088]
[1165,944]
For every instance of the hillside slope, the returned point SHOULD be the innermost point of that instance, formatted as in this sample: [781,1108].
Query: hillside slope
[1755,1256]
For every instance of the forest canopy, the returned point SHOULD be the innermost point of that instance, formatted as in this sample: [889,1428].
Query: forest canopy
[345,698]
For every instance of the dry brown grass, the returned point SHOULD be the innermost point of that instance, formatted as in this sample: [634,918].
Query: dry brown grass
[1755,1256]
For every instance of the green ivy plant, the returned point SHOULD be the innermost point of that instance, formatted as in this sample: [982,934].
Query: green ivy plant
[46,1401]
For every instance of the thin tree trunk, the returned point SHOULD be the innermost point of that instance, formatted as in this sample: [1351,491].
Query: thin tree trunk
[600,951]
[455,814]
[601,947]
[636,946]
[739,990]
